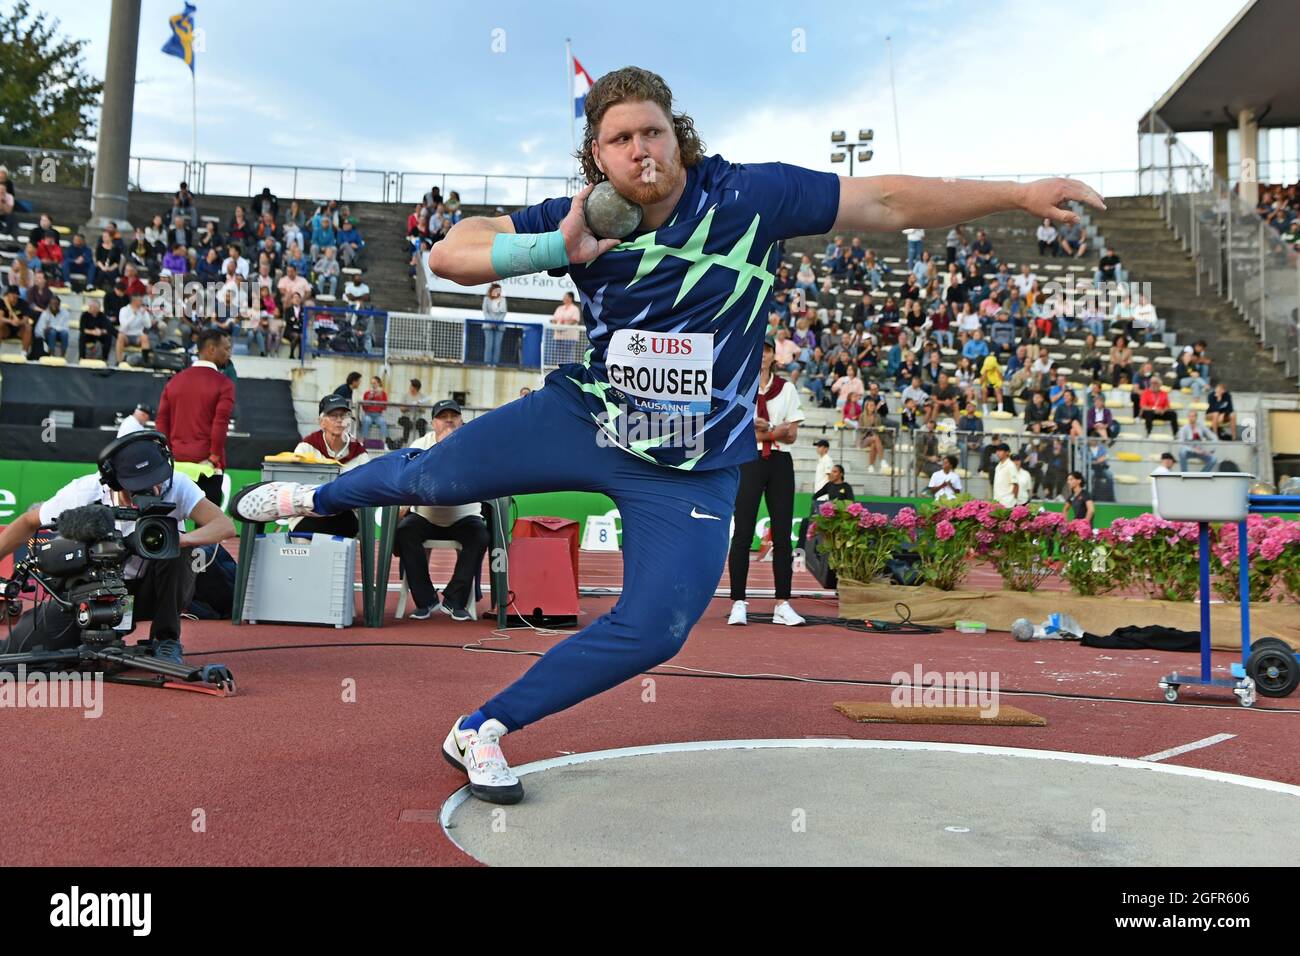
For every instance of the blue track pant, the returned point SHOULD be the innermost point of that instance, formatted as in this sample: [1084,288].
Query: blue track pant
[673,548]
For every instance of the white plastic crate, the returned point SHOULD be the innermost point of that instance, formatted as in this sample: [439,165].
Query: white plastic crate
[1203,496]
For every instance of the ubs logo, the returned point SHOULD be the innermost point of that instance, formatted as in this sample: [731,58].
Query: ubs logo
[667,346]
[637,345]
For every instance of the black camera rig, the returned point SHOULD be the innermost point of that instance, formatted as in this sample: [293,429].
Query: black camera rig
[82,570]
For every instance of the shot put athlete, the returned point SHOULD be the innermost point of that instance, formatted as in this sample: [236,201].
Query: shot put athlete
[679,306]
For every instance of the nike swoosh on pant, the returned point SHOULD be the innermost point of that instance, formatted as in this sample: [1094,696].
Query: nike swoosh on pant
[696,514]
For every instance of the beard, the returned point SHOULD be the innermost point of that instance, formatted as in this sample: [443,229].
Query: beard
[667,178]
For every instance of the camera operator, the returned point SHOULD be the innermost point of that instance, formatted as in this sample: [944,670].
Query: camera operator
[138,464]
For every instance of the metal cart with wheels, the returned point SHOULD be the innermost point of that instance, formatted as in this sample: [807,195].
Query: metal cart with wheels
[1270,667]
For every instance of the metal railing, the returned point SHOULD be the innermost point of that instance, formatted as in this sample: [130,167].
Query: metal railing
[485,188]
[900,461]
[1242,258]
[400,421]
[344,183]
[472,340]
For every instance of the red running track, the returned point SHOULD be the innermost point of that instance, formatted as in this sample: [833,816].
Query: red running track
[287,772]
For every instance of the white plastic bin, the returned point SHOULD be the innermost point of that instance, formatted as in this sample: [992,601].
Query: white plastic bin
[1203,496]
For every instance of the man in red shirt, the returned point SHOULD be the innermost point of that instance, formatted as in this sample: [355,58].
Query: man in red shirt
[194,412]
[1155,407]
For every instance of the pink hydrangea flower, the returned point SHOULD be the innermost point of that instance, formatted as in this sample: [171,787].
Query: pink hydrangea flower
[856,508]
[906,518]
[945,530]
[827,509]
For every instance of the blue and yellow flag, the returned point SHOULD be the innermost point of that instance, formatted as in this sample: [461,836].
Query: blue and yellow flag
[181,43]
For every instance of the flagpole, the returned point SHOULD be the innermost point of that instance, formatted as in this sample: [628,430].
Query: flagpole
[898,139]
[568,85]
[194,123]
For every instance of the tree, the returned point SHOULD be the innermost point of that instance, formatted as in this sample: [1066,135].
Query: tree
[47,99]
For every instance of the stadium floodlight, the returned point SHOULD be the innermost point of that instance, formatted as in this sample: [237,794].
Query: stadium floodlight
[864,155]
[837,157]
[838,136]
[866,135]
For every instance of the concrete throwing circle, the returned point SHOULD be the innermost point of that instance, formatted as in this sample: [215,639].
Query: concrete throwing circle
[873,802]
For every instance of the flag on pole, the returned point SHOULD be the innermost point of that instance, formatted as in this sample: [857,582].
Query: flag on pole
[582,83]
[181,43]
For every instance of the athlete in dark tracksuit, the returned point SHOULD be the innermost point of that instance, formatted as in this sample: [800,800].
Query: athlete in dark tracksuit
[705,277]
[660,414]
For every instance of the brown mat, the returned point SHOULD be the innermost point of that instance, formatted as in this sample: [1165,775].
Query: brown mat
[865,712]
[1097,615]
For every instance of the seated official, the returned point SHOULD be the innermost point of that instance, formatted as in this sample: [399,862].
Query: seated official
[334,441]
[460,523]
[945,483]
[139,463]
[835,489]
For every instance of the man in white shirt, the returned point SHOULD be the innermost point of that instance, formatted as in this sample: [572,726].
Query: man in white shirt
[1024,480]
[1144,318]
[1006,478]
[161,589]
[946,483]
[824,463]
[461,523]
[133,324]
[136,421]
[1166,468]
[1025,281]
[357,293]
[239,262]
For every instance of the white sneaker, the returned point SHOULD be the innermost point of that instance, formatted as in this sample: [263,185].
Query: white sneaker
[478,754]
[739,613]
[785,614]
[269,500]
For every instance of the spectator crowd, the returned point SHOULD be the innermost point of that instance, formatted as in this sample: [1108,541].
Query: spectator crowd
[255,279]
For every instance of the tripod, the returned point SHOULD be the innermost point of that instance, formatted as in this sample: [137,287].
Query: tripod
[104,648]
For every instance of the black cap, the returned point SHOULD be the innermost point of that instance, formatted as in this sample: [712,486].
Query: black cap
[1168,454]
[142,407]
[141,465]
[446,405]
[1003,446]
[333,402]
[822,442]
[1017,456]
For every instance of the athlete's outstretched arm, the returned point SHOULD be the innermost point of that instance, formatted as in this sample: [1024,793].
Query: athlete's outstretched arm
[466,255]
[888,203]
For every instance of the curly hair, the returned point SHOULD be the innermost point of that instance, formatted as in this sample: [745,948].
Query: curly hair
[633,84]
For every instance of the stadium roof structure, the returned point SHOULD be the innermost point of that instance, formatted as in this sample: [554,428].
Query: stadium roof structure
[1251,64]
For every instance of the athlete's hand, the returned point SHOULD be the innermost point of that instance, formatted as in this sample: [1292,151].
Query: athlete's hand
[1046,198]
[580,243]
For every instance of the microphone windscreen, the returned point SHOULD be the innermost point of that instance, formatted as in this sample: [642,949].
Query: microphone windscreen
[87,523]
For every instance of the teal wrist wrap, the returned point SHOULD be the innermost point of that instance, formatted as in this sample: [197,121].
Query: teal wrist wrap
[517,255]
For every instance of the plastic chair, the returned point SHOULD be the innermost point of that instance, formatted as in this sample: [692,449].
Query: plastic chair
[428,547]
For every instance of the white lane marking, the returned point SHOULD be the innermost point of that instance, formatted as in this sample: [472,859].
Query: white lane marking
[1194,745]
[454,802]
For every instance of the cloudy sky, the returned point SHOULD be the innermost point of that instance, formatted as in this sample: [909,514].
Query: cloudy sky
[992,87]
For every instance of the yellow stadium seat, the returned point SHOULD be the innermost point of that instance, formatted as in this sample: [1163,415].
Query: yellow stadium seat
[1128,456]
[1126,480]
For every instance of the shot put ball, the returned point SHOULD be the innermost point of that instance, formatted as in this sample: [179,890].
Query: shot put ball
[609,215]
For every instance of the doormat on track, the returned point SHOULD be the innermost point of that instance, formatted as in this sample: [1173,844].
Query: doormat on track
[866,712]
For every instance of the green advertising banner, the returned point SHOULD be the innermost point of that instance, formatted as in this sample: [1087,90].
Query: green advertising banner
[24,483]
